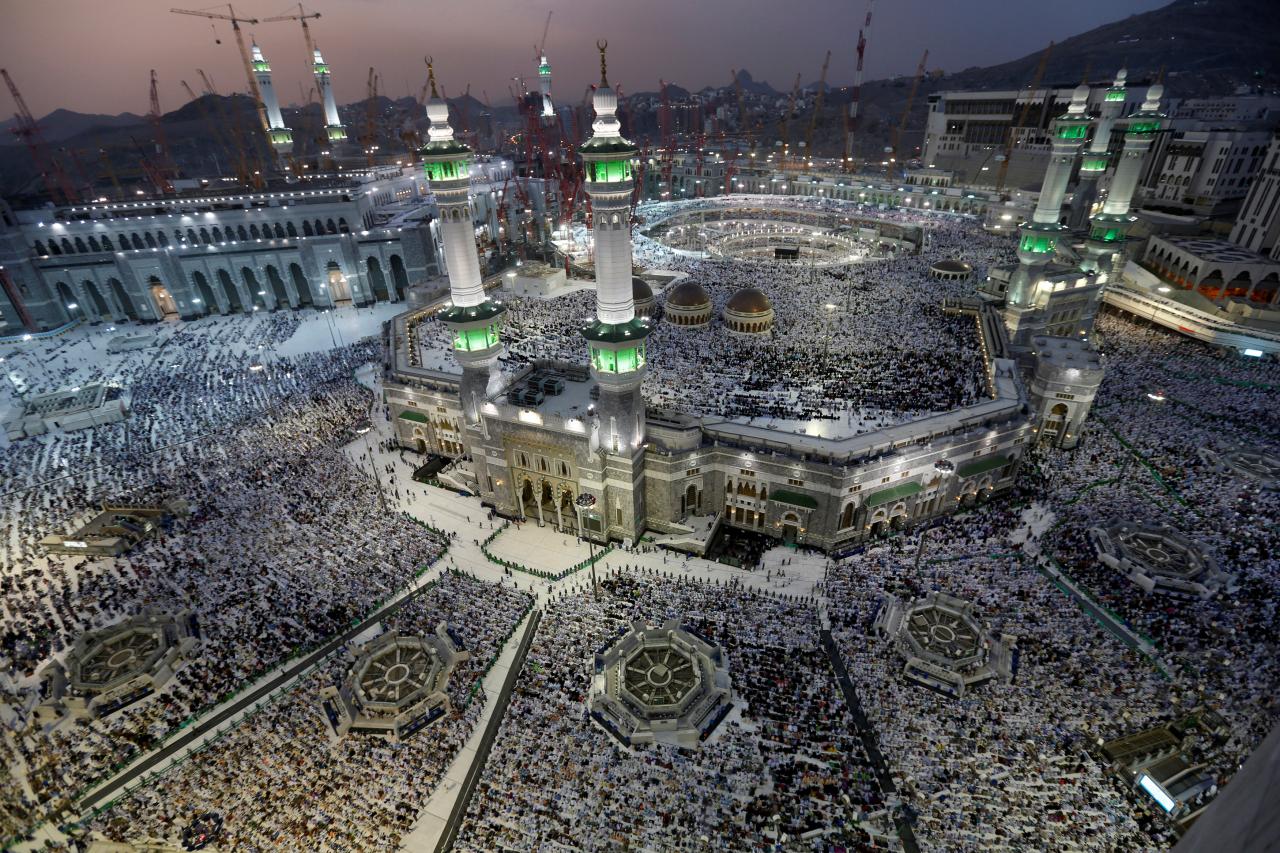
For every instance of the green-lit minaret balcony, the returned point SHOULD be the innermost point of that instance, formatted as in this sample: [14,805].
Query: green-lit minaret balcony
[261,65]
[1115,95]
[608,171]
[617,348]
[1039,239]
[1094,163]
[446,160]
[1071,129]
[1104,233]
[336,133]
[280,136]
[1143,125]
[475,327]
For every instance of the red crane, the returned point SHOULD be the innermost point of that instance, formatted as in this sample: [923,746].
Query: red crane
[851,118]
[56,179]
[668,139]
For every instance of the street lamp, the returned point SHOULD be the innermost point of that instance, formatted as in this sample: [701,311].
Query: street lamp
[585,503]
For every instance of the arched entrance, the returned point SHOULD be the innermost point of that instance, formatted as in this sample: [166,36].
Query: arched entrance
[277,286]
[74,309]
[1055,423]
[234,302]
[257,295]
[790,528]
[568,513]
[527,502]
[399,277]
[546,502]
[207,303]
[126,304]
[97,303]
[690,499]
[377,281]
[300,285]
[339,288]
[161,298]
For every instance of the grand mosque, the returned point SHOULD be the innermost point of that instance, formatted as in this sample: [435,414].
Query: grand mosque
[574,443]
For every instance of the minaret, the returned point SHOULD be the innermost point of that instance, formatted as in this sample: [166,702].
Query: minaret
[333,124]
[544,85]
[281,137]
[1038,238]
[1108,228]
[473,319]
[1097,155]
[616,338]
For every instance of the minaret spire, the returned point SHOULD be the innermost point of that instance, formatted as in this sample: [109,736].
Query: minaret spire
[474,320]
[602,46]
[280,137]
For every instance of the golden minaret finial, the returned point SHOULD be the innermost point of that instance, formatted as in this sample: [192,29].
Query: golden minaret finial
[431,77]
[604,66]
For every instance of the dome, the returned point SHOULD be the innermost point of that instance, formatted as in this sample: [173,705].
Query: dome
[952,265]
[748,300]
[640,289]
[688,294]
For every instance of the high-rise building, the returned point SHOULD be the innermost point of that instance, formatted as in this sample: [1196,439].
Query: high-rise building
[1258,226]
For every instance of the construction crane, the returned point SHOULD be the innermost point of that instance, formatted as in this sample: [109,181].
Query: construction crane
[110,172]
[1022,118]
[668,139]
[215,128]
[539,50]
[244,54]
[369,138]
[56,179]
[302,16]
[786,123]
[817,109]
[906,112]
[165,165]
[742,107]
[235,133]
[855,99]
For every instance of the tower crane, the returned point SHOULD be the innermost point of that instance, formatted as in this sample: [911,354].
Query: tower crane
[56,179]
[234,133]
[906,111]
[165,166]
[855,100]
[668,138]
[540,50]
[786,122]
[1022,118]
[302,16]
[216,130]
[817,109]
[742,108]
[236,21]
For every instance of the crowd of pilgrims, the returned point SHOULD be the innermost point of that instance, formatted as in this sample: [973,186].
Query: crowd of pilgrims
[882,353]
[785,770]
[1015,766]
[285,543]
[284,781]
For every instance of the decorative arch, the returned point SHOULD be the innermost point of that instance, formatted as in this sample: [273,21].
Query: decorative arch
[399,277]
[122,298]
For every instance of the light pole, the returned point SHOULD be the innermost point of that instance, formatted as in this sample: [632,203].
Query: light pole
[585,502]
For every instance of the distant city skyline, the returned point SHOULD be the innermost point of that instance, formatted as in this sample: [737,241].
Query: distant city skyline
[95,57]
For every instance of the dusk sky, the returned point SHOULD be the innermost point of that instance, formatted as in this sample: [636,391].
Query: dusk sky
[95,56]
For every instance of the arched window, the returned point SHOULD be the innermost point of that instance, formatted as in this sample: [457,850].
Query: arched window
[40,248]
[204,236]
[217,234]
[279,231]
[319,227]
[290,230]
[307,231]
[253,232]
[150,238]
[191,236]
[66,246]
[241,233]
[161,238]
[330,227]
[80,246]
[342,226]
[137,241]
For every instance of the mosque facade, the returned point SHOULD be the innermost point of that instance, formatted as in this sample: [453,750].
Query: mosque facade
[574,446]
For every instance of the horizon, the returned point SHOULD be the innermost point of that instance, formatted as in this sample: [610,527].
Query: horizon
[349,34]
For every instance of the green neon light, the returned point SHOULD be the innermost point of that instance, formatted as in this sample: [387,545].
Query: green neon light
[446,170]
[469,340]
[625,360]
[1106,234]
[1094,164]
[281,136]
[1145,126]
[321,68]
[544,69]
[1040,244]
[609,171]
[1115,95]
[261,65]
[1072,131]
[337,133]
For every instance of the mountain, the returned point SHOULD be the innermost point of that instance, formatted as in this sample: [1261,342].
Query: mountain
[64,124]
[752,86]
